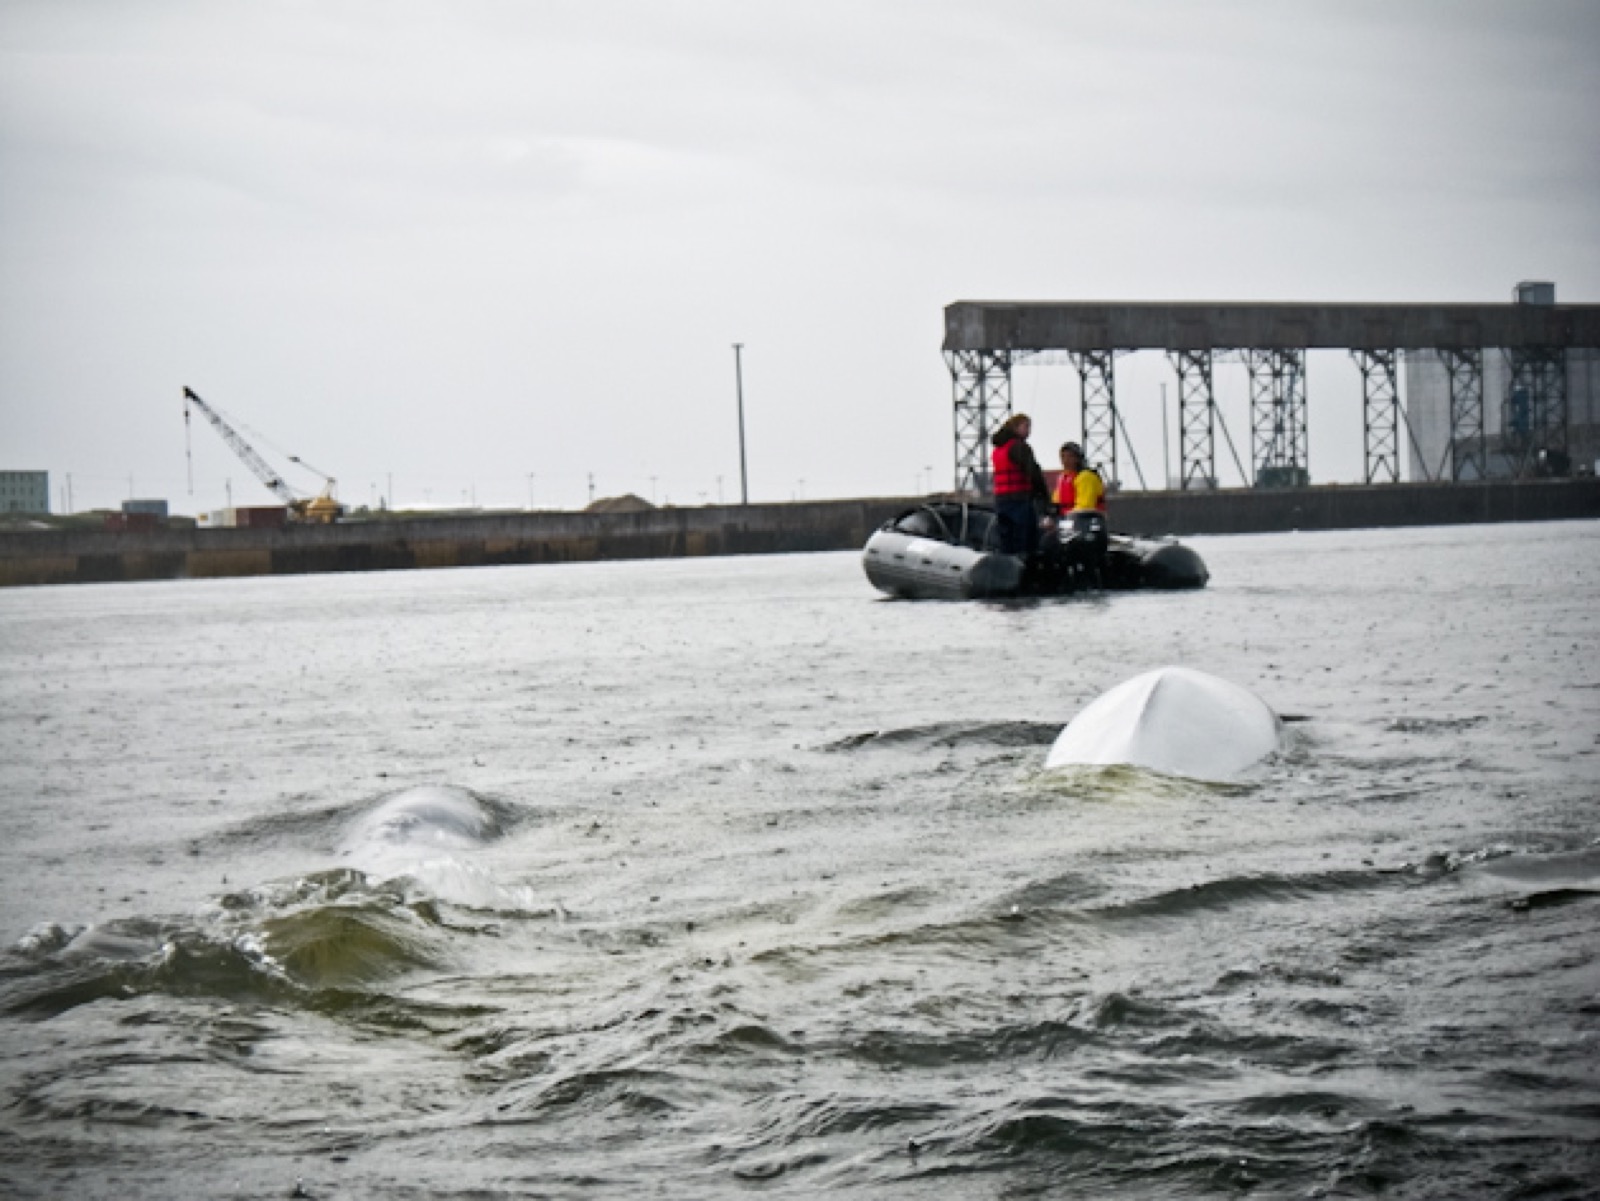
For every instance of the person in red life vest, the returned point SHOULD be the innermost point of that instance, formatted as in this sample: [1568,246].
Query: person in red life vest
[1018,486]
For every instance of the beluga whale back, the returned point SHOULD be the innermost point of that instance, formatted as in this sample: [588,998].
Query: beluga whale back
[428,824]
[431,834]
[1173,720]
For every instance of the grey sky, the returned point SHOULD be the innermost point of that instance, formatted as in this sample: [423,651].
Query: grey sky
[459,243]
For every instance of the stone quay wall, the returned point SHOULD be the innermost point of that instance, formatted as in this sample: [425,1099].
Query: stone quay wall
[65,556]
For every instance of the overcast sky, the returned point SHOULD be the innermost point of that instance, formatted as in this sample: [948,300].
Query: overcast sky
[485,249]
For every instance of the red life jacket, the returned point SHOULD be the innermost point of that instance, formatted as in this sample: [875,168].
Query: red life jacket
[1009,479]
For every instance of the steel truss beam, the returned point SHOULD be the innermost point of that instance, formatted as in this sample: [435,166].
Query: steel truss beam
[1535,416]
[1278,417]
[981,381]
[1380,414]
[1197,418]
[1097,377]
[1468,450]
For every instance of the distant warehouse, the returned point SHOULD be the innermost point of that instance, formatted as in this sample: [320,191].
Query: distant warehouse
[24,491]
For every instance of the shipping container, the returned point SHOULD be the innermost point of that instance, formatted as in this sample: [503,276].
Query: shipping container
[260,516]
[133,523]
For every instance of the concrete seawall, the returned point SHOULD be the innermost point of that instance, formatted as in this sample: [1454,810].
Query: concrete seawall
[34,557]
[87,556]
[1353,507]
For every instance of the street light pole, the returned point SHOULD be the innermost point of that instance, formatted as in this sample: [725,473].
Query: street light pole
[1166,452]
[738,377]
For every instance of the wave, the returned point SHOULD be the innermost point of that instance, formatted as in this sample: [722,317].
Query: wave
[1433,725]
[287,943]
[124,960]
[1579,869]
[1071,910]
[1234,891]
[953,734]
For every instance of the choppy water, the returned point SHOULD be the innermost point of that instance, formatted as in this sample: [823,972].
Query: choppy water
[750,882]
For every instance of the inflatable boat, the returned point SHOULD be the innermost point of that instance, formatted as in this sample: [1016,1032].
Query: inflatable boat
[949,550]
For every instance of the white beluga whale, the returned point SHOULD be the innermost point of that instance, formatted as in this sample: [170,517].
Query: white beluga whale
[1173,720]
[430,834]
[431,818]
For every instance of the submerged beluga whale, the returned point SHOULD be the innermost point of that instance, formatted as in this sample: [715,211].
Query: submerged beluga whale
[432,833]
[430,819]
[1173,720]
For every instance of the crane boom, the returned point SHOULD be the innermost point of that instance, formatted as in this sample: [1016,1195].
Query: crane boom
[243,449]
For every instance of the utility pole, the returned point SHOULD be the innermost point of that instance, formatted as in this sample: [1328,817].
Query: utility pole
[738,377]
[1166,452]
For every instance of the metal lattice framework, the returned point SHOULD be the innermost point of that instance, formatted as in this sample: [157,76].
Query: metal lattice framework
[1380,414]
[1197,418]
[1097,377]
[984,339]
[1468,450]
[1278,417]
[981,380]
[1535,417]
[259,467]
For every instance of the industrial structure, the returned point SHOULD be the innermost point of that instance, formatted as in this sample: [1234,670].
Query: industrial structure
[1438,452]
[322,508]
[1543,347]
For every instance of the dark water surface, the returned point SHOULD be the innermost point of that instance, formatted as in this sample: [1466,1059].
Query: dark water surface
[735,879]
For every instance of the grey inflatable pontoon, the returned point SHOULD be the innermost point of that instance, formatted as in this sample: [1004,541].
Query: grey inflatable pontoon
[949,550]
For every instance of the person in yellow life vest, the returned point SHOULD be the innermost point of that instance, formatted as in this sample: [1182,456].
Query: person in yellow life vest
[1080,488]
[1081,499]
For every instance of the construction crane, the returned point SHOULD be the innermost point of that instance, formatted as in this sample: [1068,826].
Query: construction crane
[322,508]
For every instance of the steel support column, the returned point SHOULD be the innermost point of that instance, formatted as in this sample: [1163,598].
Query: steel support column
[1097,377]
[1469,446]
[1380,414]
[1278,417]
[981,380]
[1197,419]
[1535,417]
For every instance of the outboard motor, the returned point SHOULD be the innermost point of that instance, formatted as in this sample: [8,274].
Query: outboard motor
[1086,548]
